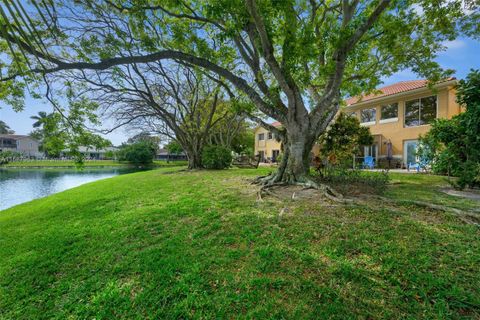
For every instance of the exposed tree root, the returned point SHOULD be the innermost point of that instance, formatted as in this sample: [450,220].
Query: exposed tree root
[469,217]
[270,181]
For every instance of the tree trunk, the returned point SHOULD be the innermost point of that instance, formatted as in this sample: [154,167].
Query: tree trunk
[194,158]
[295,164]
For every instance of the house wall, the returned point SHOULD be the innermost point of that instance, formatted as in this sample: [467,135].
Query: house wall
[266,145]
[269,145]
[396,131]
[27,147]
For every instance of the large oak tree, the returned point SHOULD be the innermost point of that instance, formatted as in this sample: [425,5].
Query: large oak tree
[293,59]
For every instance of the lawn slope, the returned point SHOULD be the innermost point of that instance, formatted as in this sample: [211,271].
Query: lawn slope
[165,244]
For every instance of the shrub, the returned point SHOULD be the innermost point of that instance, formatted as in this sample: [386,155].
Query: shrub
[216,157]
[354,181]
[344,139]
[141,152]
[7,156]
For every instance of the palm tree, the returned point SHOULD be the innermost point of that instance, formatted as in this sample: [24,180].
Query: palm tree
[40,119]
[5,129]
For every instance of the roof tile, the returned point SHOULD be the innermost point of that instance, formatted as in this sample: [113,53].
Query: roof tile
[392,89]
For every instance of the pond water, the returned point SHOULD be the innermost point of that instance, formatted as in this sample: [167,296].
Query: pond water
[22,185]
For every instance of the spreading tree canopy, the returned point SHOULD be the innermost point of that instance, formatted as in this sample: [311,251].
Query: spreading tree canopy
[293,59]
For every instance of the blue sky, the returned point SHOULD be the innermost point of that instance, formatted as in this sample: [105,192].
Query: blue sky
[461,55]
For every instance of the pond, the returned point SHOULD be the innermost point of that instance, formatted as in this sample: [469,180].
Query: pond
[22,185]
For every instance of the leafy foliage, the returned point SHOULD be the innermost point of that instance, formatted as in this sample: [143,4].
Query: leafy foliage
[7,156]
[173,147]
[452,146]
[243,141]
[146,136]
[347,180]
[141,152]
[216,157]
[344,139]
[5,129]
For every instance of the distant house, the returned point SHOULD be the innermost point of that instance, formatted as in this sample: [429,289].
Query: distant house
[25,145]
[268,148]
[92,153]
[163,154]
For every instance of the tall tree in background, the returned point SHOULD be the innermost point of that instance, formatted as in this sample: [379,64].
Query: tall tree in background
[5,129]
[148,137]
[178,102]
[293,59]
[40,119]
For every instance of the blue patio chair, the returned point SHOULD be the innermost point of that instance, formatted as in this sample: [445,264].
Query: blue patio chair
[414,165]
[424,165]
[368,162]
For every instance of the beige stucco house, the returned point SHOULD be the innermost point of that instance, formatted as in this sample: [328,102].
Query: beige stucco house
[396,115]
[23,144]
[266,145]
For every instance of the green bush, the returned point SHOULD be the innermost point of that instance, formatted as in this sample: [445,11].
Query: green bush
[345,179]
[141,152]
[344,139]
[7,156]
[452,146]
[216,157]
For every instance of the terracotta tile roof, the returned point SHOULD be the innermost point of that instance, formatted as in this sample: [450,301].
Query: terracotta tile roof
[392,89]
[276,124]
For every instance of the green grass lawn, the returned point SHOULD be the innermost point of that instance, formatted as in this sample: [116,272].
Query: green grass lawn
[167,244]
[87,163]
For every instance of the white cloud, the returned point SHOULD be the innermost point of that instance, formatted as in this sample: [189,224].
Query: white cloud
[455,44]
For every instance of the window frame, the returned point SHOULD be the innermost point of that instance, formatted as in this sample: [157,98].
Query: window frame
[420,107]
[262,135]
[269,135]
[388,120]
[368,123]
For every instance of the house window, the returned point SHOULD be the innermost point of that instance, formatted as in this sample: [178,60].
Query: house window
[389,111]
[368,116]
[275,154]
[261,136]
[420,111]
[269,136]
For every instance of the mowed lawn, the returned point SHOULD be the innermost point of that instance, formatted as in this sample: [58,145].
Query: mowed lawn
[165,244]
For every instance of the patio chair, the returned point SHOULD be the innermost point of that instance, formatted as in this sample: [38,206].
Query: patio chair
[368,162]
[414,165]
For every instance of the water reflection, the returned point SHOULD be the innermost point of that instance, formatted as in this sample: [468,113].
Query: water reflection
[22,185]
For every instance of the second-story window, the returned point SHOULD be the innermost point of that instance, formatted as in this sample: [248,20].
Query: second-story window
[269,136]
[420,111]
[261,136]
[389,111]
[368,116]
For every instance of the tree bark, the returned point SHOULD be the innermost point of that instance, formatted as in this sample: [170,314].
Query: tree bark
[194,160]
[194,156]
[297,144]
